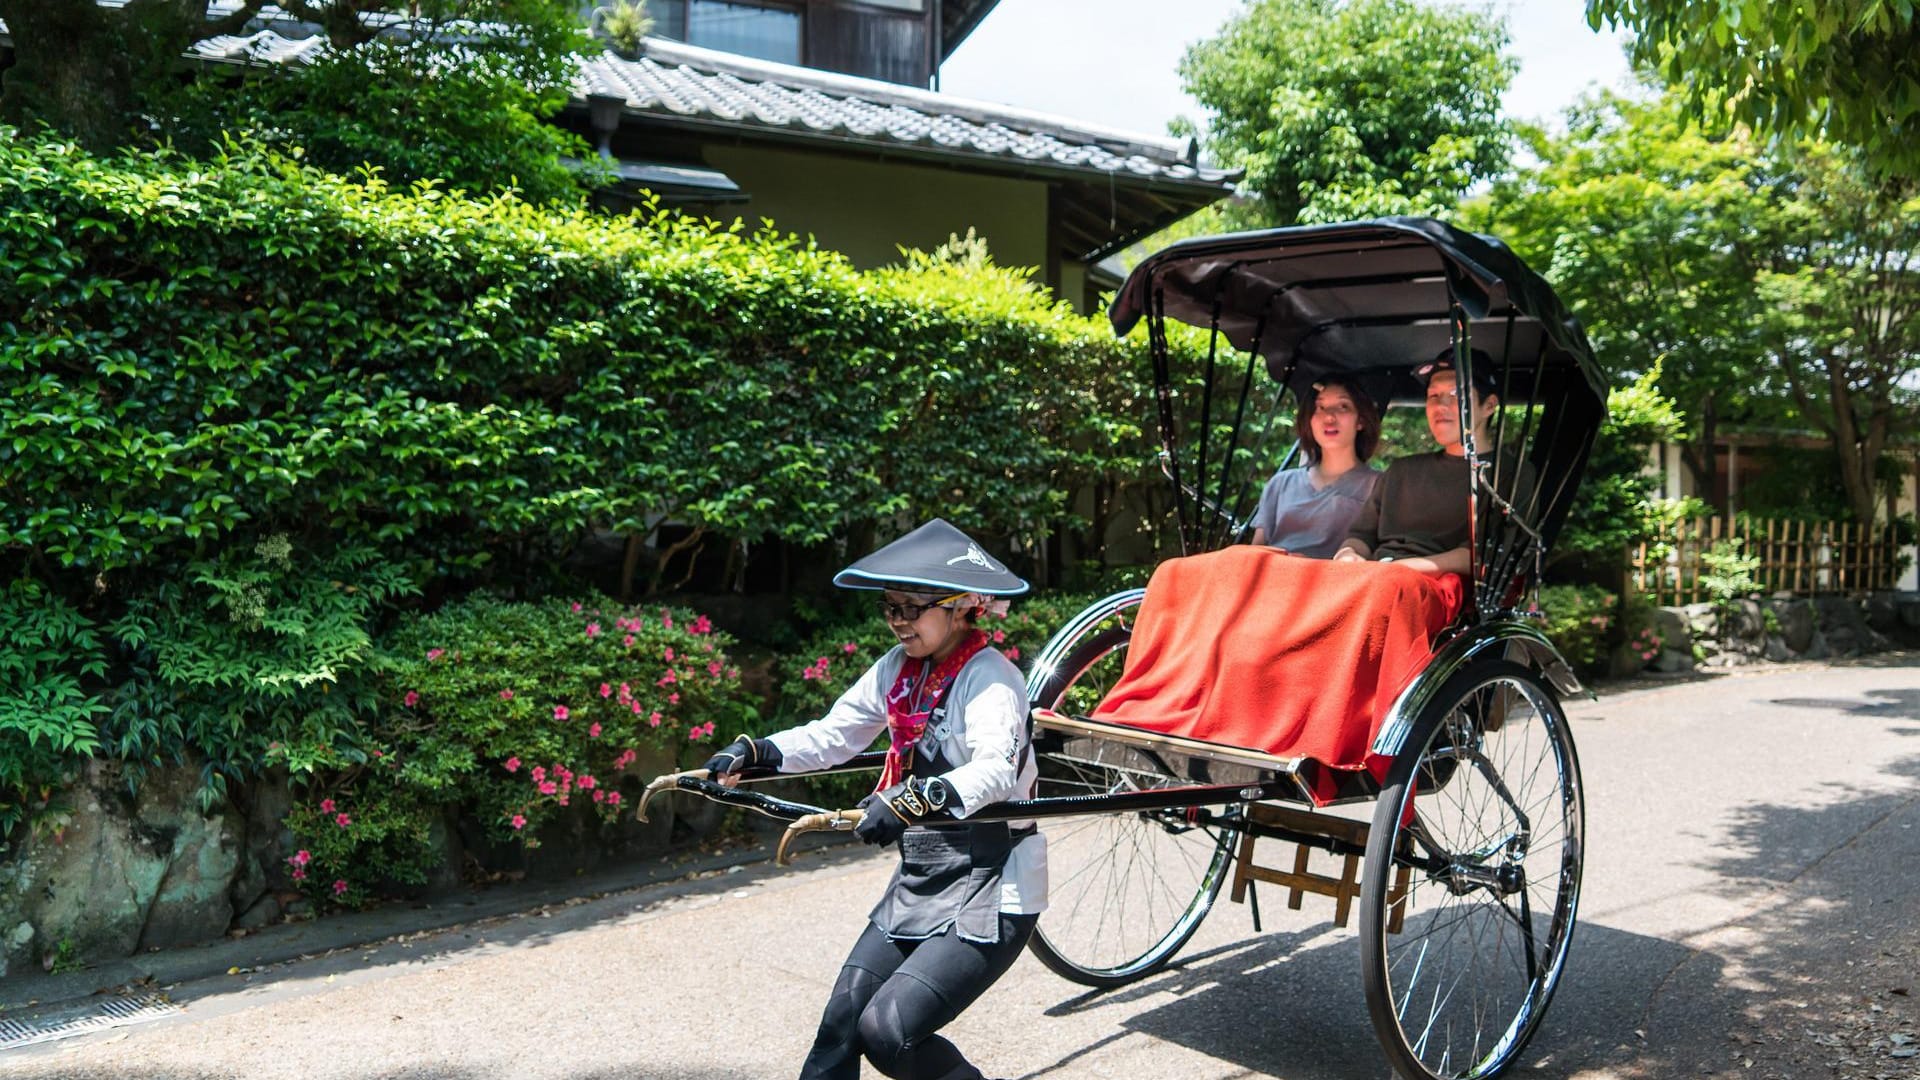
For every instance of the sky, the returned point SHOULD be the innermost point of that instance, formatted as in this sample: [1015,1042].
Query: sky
[1112,62]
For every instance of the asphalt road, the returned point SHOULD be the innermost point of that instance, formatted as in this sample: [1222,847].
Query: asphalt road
[1750,910]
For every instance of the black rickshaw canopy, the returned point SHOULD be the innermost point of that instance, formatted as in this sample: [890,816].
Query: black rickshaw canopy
[1363,297]
[1373,301]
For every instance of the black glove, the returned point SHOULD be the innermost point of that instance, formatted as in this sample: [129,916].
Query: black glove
[744,753]
[879,824]
[889,812]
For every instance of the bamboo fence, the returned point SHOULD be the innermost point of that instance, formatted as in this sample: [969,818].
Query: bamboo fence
[1804,558]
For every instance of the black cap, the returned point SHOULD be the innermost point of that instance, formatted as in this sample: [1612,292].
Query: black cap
[934,557]
[1483,380]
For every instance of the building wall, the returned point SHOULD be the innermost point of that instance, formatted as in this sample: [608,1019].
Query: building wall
[864,208]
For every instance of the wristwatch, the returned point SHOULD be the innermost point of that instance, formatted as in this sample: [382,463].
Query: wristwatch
[937,793]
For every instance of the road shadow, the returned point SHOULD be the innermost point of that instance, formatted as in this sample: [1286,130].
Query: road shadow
[1292,1005]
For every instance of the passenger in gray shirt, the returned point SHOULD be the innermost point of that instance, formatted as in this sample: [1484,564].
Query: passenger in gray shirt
[1309,510]
[1417,515]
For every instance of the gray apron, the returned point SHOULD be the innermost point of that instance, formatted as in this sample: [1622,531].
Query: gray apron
[949,875]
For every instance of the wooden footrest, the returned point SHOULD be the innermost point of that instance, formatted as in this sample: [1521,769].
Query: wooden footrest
[1301,880]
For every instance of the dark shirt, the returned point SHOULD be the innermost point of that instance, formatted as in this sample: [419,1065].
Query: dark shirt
[1419,507]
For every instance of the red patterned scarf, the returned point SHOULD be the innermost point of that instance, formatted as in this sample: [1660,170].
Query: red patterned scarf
[913,698]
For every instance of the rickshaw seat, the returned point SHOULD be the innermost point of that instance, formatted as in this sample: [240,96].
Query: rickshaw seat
[1296,657]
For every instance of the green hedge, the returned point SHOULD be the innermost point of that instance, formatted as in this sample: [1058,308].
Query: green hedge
[252,415]
[197,353]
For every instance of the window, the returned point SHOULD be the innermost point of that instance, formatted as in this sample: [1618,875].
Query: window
[757,30]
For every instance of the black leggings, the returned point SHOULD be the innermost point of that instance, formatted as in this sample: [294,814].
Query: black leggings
[893,995]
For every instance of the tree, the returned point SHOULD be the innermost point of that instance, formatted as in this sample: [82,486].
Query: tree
[1842,304]
[1653,233]
[1339,109]
[1844,70]
[458,90]
[1765,283]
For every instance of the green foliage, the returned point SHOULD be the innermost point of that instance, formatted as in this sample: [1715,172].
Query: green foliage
[49,714]
[456,90]
[1616,506]
[1580,623]
[1651,232]
[1340,110]
[258,649]
[457,383]
[1841,309]
[625,24]
[1845,70]
[509,713]
[1728,575]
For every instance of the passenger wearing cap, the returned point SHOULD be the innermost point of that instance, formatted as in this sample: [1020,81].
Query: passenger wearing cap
[1417,514]
[1308,510]
[965,897]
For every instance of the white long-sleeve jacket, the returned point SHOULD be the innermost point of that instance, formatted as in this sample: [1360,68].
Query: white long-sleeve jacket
[982,730]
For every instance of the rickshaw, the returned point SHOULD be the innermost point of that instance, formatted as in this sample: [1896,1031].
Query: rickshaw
[1467,870]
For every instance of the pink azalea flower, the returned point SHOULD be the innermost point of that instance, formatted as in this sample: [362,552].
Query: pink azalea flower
[576,607]
[627,641]
[587,782]
[626,691]
[666,619]
[1012,654]
[636,707]
[562,800]
[733,673]
[560,712]
[518,821]
[599,796]
[669,654]
[702,625]
[613,798]
[667,679]
[654,720]
[513,764]
[299,875]
[435,654]
[593,629]
[506,695]
[343,820]
[411,699]
[301,857]
[539,773]
[339,887]
[593,731]
[673,699]
[999,636]
[714,669]
[548,787]
[850,647]
[326,806]
[606,690]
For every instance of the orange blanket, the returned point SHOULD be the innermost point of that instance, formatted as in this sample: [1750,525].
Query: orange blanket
[1255,648]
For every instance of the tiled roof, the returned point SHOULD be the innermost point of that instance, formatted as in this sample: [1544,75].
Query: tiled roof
[673,81]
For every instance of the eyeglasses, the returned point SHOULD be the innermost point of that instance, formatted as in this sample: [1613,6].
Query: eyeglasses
[911,612]
[1338,412]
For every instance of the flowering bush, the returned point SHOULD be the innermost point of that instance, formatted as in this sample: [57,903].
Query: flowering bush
[512,713]
[1580,622]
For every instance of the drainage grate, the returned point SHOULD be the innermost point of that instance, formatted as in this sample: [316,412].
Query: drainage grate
[110,1012]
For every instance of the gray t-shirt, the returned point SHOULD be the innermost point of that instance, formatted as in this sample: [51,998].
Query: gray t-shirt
[1312,522]
[1419,507]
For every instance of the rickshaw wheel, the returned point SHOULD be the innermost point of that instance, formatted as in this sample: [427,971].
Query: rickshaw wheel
[1126,891]
[1483,810]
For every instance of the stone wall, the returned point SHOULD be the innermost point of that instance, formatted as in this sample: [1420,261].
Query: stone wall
[140,865]
[1782,628]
